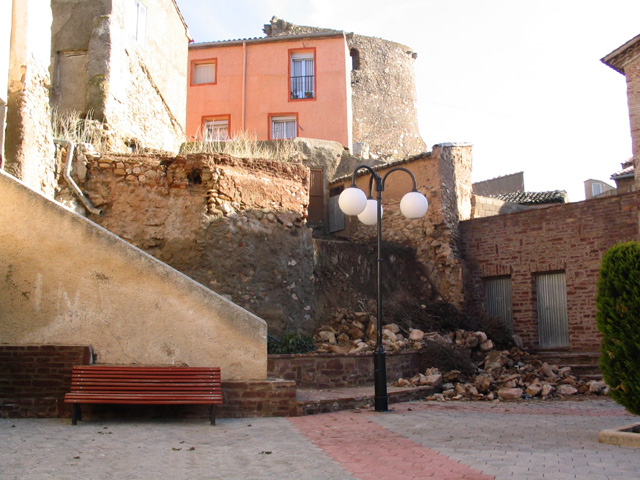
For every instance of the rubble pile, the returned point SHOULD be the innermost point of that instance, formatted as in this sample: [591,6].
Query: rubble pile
[506,375]
[493,374]
[355,332]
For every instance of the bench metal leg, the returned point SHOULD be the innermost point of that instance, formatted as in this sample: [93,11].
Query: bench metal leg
[77,414]
[212,415]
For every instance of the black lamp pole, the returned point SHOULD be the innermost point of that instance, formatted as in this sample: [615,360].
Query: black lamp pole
[379,356]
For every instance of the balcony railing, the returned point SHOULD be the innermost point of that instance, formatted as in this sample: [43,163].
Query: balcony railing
[302,87]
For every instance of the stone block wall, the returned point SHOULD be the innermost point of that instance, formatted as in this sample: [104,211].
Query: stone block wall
[570,238]
[236,226]
[444,177]
[34,378]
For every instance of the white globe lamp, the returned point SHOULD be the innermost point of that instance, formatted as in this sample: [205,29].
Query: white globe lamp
[352,201]
[414,205]
[369,215]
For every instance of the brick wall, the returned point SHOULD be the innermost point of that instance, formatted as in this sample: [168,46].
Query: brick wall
[34,378]
[270,398]
[571,238]
[328,370]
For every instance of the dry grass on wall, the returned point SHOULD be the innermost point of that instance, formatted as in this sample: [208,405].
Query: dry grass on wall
[243,145]
[75,128]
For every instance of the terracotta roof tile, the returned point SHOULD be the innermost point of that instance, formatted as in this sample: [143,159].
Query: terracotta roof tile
[534,198]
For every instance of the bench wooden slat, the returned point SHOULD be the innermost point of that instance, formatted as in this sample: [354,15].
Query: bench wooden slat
[132,385]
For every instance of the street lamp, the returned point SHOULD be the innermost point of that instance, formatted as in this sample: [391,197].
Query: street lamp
[353,201]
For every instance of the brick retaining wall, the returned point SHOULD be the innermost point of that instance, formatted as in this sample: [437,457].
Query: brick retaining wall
[330,370]
[34,378]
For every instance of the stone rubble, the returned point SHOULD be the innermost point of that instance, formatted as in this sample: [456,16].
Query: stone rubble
[501,374]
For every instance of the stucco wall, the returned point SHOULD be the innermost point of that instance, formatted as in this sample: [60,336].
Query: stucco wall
[327,116]
[121,70]
[28,146]
[65,280]
[5,42]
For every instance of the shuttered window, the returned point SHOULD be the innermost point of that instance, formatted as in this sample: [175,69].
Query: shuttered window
[497,299]
[204,73]
[553,324]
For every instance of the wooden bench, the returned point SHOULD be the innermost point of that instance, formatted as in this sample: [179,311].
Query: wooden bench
[131,385]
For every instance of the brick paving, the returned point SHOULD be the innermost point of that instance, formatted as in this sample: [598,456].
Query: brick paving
[453,440]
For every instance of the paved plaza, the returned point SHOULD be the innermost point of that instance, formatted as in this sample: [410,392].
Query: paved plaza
[454,440]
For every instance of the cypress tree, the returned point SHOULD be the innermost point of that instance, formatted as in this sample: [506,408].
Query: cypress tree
[618,319]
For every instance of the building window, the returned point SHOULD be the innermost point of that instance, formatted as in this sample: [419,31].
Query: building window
[283,127]
[302,79]
[215,129]
[596,189]
[204,72]
[138,20]
[355,59]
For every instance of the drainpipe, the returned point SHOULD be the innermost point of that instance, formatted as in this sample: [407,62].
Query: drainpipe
[244,85]
[67,176]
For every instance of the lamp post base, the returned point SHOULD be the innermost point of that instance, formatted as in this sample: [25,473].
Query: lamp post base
[380,381]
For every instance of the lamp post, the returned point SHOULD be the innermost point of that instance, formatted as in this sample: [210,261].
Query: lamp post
[353,201]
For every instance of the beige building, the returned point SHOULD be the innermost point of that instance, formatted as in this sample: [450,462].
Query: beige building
[107,55]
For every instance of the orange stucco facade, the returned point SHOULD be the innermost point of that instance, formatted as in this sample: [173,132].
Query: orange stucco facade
[252,85]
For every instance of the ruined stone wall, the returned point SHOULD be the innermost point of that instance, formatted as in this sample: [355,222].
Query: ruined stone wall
[236,226]
[385,117]
[443,176]
[571,238]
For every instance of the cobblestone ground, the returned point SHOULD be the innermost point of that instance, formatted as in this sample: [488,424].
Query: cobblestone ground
[468,440]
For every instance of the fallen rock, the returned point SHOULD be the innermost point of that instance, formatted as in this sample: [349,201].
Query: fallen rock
[510,393]
[566,390]
[493,360]
[416,335]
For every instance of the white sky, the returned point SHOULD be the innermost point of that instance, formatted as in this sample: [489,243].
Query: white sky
[519,79]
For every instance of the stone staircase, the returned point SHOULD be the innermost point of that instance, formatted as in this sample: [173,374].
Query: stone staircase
[583,364]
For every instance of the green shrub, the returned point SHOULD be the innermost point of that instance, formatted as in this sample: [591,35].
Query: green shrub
[618,319]
[290,343]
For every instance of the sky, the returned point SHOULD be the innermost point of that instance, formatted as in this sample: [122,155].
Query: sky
[521,80]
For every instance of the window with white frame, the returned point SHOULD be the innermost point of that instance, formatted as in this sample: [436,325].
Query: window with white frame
[216,130]
[204,72]
[596,189]
[302,75]
[283,127]
[137,20]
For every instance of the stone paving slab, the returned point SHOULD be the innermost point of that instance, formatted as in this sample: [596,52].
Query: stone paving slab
[453,440]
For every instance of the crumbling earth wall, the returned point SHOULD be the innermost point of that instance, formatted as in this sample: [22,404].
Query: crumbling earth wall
[236,226]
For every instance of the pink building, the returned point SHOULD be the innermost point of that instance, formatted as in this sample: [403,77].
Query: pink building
[306,82]
[275,87]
